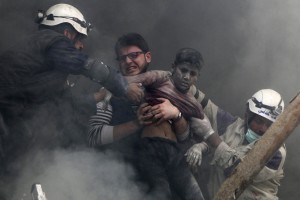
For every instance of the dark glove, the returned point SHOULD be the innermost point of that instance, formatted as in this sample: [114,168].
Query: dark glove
[107,76]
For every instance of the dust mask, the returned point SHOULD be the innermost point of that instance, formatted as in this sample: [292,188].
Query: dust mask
[251,136]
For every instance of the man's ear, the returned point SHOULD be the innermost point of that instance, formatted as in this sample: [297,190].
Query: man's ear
[69,34]
[148,56]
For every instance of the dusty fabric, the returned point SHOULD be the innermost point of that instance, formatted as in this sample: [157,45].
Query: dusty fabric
[231,130]
[158,84]
[163,165]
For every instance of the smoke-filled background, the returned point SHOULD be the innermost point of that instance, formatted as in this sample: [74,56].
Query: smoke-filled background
[247,45]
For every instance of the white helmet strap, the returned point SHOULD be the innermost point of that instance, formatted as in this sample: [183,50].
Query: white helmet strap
[274,110]
[81,23]
[42,15]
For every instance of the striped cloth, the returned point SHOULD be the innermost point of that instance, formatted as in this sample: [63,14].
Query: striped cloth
[98,122]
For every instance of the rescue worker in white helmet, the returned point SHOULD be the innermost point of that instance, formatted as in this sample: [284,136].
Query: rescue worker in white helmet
[32,82]
[69,21]
[238,137]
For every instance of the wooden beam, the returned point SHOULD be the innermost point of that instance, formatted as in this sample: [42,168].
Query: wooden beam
[262,151]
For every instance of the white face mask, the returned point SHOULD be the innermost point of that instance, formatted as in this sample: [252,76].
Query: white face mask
[251,136]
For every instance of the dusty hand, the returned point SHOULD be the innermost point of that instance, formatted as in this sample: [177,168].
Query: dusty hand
[164,111]
[201,127]
[135,92]
[194,154]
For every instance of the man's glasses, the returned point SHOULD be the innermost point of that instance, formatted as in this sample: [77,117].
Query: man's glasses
[132,56]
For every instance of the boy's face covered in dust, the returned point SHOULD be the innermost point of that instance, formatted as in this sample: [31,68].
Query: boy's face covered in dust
[184,76]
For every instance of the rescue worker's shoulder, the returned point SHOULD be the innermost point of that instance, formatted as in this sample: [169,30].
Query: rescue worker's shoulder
[278,159]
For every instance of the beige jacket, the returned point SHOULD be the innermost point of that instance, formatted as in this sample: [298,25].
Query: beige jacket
[231,129]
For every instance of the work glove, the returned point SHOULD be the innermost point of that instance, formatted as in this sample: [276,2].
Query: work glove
[224,155]
[112,80]
[194,154]
[201,127]
[236,155]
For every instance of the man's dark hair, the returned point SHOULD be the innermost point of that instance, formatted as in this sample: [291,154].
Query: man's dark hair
[131,39]
[189,55]
[59,27]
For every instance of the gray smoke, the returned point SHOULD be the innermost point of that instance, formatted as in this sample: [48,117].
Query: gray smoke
[247,45]
[80,174]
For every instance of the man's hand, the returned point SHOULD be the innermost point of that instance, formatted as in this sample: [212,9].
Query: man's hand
[164,111]
[135,92]
[100,94]
[194,154]
[145,117]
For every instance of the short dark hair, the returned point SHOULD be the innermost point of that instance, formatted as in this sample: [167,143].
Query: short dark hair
[189,55]
[59,27]
[131,39]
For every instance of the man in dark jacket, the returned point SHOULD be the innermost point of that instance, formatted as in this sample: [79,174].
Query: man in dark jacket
[33,102]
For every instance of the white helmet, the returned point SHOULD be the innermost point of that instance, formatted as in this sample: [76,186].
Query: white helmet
[64,13]
[266,103]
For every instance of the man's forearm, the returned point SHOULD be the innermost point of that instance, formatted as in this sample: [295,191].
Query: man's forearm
[181,128]
[214,140]
[122,130]
[106,134]
[149,77]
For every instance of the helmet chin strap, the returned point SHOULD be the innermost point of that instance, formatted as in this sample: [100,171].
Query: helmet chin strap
[248,118]
[246,124]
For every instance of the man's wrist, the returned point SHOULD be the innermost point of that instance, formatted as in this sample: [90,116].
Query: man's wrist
[178,117]
[208,134]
